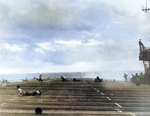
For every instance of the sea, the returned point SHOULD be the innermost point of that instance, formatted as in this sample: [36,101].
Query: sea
[106,75]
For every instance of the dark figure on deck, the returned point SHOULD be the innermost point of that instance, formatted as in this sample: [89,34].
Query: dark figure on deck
[25,79]
[4,81]
[125,77]
[76,79]
[97,79]
[63,79]
[40,77]
[21,92]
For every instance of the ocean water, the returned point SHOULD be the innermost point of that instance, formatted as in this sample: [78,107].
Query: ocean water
[106,75]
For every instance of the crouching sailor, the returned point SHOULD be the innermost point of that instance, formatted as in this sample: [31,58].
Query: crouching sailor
[21,92]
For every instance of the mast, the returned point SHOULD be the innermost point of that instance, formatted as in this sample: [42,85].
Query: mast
[146,8]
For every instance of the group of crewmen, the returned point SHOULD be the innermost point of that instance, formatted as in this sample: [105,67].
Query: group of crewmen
[97,79]
[22,92]
[74,79]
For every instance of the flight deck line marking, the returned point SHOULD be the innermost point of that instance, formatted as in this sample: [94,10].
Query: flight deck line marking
[87,83]
[92,87]
[108,98]
[118,110]
[118,105]
[132,114]
[102,93]
[3,104]
[48,81]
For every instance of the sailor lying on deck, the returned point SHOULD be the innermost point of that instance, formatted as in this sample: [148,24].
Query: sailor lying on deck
[21,92]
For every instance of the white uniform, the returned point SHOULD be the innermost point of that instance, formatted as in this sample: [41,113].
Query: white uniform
[21,92]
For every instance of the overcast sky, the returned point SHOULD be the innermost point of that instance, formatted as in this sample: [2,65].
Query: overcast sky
[72,35]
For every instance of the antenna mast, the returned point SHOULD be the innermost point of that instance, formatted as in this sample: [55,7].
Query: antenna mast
[146,9]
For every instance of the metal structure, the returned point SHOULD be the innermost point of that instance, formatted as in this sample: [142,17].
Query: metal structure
[145,56]
[145,9]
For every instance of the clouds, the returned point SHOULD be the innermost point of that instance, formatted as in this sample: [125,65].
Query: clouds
[14,47]
[66,35]
[53,16]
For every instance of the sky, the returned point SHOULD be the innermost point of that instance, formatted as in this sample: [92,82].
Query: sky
[72,35]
